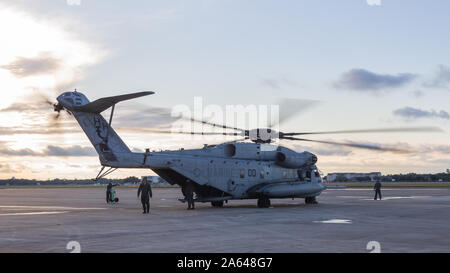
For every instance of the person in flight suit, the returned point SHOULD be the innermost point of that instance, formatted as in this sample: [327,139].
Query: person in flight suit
[377,189]
[146,191]
[108,192]
[189,194]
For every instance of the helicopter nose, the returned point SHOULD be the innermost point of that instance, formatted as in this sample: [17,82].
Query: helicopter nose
[312,157]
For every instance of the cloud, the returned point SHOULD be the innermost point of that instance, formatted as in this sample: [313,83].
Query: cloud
[50,150]
[417,93]
[35,131]
[44,63]
[443,149]
[364,80]
[142,120]
[415,113]
[6,168]
[54,59]
[277,83]
[35,117]
[76,150]
[21,152]
[326,150]
[441,78]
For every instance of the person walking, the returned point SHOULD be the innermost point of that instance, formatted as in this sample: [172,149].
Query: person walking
[189,194]
[146,190]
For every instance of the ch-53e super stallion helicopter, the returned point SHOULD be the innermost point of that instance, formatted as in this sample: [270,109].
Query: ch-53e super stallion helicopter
[231,170]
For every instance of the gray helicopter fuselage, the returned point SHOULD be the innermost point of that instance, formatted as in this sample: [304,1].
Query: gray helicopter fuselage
[232,170]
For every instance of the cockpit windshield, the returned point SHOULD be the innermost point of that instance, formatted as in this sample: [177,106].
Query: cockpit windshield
[316,173]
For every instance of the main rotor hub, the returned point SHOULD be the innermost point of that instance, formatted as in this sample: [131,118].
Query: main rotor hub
[262,135]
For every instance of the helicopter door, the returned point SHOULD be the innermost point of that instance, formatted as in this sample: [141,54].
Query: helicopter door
[266,171]
[300,175]
[308,175]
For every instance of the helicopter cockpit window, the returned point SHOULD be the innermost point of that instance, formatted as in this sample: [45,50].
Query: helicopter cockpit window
[316,173]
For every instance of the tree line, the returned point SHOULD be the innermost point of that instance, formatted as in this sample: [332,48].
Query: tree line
[409,177]
[57,181]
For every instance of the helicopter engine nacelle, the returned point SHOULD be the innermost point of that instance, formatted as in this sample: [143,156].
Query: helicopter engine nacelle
[293,160]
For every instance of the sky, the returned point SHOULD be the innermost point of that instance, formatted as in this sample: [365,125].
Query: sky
[362,64]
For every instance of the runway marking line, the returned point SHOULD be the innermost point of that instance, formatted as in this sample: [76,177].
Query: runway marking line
[33,213]
[388,189]
[399,197]
[335,221]
[48,207]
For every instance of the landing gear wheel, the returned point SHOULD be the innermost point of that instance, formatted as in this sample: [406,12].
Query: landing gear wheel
[311,200]
[217,204]
[263,202]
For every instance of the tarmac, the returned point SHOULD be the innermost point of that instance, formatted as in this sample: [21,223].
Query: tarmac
[346,220]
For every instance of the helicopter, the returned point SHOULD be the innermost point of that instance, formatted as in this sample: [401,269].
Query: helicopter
[228,171]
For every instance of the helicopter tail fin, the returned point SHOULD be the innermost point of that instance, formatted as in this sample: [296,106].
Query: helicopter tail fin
[109,146]
[102,104]
[103,137]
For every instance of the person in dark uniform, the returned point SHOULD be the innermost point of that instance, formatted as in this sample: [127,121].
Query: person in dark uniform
[146,191]
[108,192]
[189,194]
[377,189]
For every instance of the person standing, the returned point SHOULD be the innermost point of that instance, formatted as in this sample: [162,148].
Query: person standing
[146,190]
[108,192]
[377,189]
[189,194]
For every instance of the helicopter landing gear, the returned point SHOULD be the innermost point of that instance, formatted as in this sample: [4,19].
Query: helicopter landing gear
[311,200]
[263,202]
[217,204]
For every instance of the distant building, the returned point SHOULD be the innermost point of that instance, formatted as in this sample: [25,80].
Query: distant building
[353,176]
[156,180]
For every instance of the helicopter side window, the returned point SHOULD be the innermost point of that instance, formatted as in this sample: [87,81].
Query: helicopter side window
[242,174]
[300,175]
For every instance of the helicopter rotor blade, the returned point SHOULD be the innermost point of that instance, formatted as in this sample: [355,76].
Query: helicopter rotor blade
[216,125]
[168,113]
[354,145]
[381,130]
[183,133]
[290,107]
